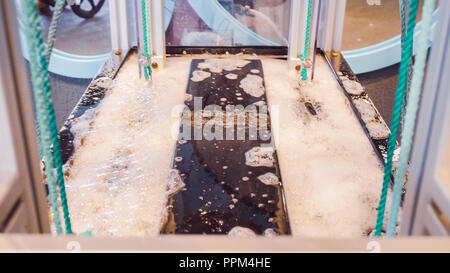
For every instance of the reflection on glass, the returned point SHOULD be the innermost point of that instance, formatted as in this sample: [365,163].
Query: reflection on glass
[367,24]
[82,30]
[443,171]
[229,23]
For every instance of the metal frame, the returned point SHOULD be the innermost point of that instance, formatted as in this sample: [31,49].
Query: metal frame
[158,30]
[119,18]
[327,19]
[427,204]
[158,33]
[23,202]
[332,14]
[296,33]
[218,244]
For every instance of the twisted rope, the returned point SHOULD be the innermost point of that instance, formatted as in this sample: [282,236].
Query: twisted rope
[45,114]
[303,57]
[399,99]
[403,19]
[146,22]
[411,113]
[31,22]
[59,7]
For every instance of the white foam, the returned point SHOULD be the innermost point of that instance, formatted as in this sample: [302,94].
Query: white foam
[200,75]
[331,175]
[258,157]
[231,76]
[269,179]
[270,233]
[377,129]
[352,87]
[175,182]
[116,184]
[104,82]
[368,114]
[252,85]
[241,232]
[219,65]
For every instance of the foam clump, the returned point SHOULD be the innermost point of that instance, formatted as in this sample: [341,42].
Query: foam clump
[253,85]
[366,110]
[231,76]
[104,82]
[219,65]
[352,87]
[200,75]
[269,179]
[270,233]
[377,129]
[259,157]
[241,232]
[175,182]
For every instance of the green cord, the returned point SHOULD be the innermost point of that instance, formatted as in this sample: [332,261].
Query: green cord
[411,113]
[45,114]
[304,73]
[147,38]
[57,12]
[403,19]
[398,106]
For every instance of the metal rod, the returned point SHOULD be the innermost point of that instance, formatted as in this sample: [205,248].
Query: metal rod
[138,36]
[315,42]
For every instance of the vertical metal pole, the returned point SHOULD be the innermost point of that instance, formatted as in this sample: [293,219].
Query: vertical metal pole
[317,22]
[138,36]
[296,35]
[158,33]
[118,18]
[332,17]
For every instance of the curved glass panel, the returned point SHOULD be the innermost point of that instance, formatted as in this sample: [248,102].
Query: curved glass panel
[77,34]
[227,22]
[80,49]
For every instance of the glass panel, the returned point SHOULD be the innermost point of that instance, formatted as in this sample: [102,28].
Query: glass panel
[227,22]
[83,31]
[7,156]
[443,170]
[368,23]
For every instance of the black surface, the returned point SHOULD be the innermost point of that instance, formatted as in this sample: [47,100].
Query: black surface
[203,206]
[338,64]
[259,50]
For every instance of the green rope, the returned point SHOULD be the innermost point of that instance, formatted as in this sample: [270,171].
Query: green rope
[45,113]
[403,19]
[146,14]
[399,99]
[303,57]
[411,113]
[59,7]
[31,21]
